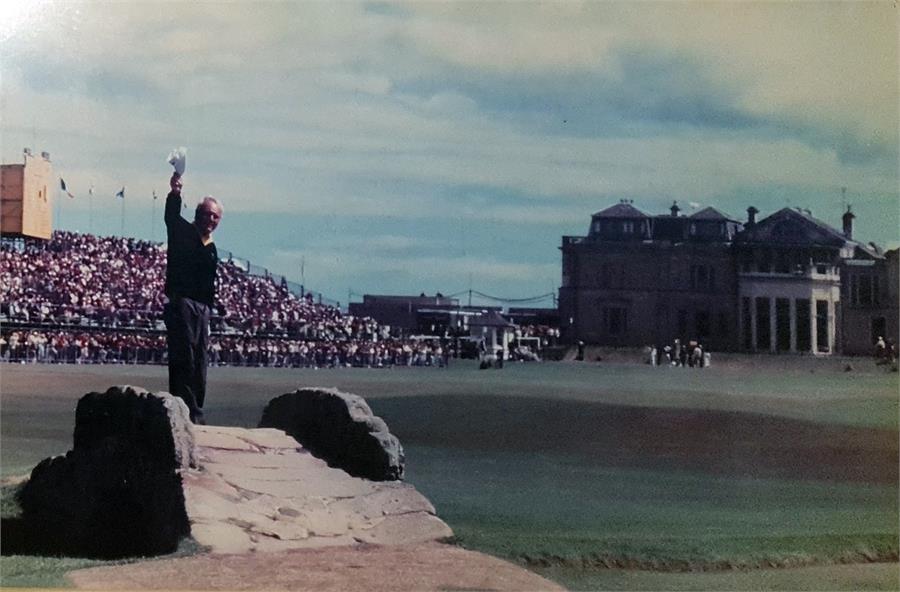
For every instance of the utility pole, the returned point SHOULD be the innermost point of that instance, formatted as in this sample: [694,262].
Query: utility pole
[91,209]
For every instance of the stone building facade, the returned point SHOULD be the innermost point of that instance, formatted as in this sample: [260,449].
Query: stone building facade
[773,285]
[869,293]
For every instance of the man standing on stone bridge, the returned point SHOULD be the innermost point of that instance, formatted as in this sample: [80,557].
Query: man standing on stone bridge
[191,263]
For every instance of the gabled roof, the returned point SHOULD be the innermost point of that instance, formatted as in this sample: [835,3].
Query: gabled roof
[711,213]
[621,210]
[794,227]
[490,319]
[870,251]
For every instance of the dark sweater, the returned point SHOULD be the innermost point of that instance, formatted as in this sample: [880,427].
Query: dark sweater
[190,265]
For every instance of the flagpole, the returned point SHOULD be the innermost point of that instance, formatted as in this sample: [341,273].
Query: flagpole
[59,210]
[122,229]
[153,219]
[91,210]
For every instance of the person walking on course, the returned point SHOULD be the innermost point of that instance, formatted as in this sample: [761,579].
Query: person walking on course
[191,262]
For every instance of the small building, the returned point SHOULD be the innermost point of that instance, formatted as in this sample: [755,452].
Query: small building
[26,201]
[494,331]
[398,311]
[546,317]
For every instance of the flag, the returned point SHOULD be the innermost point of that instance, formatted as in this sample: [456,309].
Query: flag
[121,193]
[154,194]
[62,185]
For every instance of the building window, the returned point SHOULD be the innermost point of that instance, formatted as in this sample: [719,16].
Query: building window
[628,227]
[698,277]
[568,270]
[747,322]
[703,278]
[782,324]
[615,320]
[878,328]
[822,325]
[863,289]
[693,229]
[764,263]
[701,324]
[801,315]
[763,328]
[611,275]
[782,262]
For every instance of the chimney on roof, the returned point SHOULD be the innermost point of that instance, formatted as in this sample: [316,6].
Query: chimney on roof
[675,209]
[848,223]
[751,215]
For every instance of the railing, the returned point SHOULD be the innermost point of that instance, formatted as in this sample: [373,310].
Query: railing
[815,271]
[294,288]
[45,354]
[572,240]
[322,354]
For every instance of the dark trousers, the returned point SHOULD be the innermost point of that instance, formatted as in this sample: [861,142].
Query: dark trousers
[187,323]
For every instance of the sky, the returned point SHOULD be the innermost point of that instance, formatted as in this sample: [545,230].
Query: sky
[400,148]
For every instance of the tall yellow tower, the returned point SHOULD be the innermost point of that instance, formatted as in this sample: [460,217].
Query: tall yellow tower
[26,201]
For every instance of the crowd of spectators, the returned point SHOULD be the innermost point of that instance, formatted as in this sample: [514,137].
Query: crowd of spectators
[82,347]
[111,347]
[78,298]
[81,280]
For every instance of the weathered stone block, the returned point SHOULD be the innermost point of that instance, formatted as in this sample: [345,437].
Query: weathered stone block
[118,491]
[339,428]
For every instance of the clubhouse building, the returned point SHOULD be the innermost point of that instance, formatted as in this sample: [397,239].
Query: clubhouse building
[786,283]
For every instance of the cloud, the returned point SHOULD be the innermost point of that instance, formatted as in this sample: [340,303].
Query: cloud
[386,274]
[499,118]
[814,62]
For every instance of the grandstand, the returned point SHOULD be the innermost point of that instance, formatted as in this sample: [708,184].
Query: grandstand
[79,298]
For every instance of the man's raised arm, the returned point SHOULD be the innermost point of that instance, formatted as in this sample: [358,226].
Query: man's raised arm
[173,200]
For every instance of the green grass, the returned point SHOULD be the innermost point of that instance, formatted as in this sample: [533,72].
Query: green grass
[881,576]
[37,571]
[570,468]
[28,571]
[572,515]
